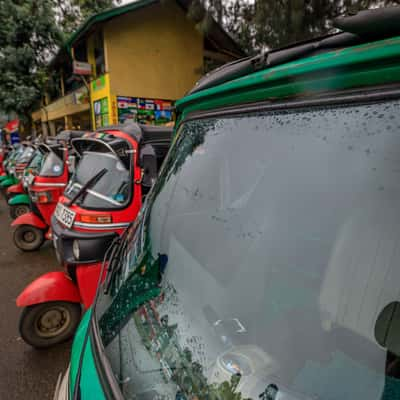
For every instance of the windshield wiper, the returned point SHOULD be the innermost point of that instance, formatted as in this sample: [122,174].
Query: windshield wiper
[92,181]
[116,258]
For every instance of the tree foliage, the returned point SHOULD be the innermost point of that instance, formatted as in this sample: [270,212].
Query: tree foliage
[71,13]
[28,37]
[258,24]
[31,32]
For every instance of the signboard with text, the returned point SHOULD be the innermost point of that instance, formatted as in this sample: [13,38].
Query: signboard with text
[82,68]
[144,111]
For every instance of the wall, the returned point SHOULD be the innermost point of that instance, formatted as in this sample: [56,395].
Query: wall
[154,52]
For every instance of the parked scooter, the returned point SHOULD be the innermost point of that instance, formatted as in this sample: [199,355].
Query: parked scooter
[45,188]
[9,178]
[117,168]
[14,185]
[21,203]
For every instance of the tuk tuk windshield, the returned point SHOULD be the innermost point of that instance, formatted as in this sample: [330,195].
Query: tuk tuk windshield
[112,190]
[36,162]
[26,155]
[265,262]
[52,165]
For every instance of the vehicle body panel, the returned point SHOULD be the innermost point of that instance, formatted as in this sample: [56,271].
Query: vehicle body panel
[16,189]
[53,286]
[9,181]
[368,64]
[355,67]
[90,386]
[30,219]
[18,199]
[87,277]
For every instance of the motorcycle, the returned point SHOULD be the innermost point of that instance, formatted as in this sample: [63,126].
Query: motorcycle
[45,188]
[9,178]
[19,203]
[117,168]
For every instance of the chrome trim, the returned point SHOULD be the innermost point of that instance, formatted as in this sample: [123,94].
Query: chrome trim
[49,184]
[101,226]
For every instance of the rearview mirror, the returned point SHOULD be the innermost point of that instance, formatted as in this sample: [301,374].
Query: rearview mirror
[148,163]
[387,328]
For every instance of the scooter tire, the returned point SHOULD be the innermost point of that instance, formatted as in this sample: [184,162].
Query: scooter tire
[18,210]
[36,320]
[28,237]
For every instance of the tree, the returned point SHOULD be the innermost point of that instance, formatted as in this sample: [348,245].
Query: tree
[259,24]
[71,13]
[278,23]
[31,32]
[28,37]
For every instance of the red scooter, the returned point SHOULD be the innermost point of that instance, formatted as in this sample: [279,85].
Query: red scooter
[45,189]
[117,168]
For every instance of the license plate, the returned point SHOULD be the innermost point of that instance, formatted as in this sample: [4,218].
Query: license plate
[64,215]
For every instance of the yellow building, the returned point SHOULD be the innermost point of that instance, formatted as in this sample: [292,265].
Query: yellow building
[134,61]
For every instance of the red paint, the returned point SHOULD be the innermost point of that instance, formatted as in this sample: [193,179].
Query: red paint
[118,216]
[88,278]
[53,286]
[46,210]
[30,219]
[87,275]
[16,189]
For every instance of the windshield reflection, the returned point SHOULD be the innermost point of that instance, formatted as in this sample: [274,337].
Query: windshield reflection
[262,266]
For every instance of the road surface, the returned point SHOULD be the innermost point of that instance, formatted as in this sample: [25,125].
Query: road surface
[25,373]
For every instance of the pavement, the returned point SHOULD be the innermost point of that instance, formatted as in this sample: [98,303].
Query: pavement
[25,373]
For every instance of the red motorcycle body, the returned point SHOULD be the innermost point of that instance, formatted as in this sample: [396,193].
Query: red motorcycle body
[16,189]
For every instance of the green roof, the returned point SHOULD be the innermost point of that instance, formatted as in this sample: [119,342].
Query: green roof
[368,64]
[217,33]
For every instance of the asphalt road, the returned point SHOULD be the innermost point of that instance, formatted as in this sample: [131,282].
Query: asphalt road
[25,373]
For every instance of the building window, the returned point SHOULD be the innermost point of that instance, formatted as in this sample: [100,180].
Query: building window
[99,53]
[80,51]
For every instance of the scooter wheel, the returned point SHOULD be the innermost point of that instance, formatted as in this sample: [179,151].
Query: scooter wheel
[47,324]
[17,211]
[28,238]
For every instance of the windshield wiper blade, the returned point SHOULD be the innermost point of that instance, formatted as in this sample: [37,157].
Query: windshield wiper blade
[92,181]
[116,257]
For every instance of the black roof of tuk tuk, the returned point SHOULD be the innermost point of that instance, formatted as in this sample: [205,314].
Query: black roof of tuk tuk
[67,135]
[142,133]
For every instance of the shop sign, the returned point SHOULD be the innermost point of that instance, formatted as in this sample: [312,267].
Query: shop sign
[144,111]
[99,83]
[82,68]
[101,112]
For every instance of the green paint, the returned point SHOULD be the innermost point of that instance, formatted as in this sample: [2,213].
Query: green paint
[18,199]
[4,177]
[90,384]
[140,287]
[8,182]
[357,66]
[99,83]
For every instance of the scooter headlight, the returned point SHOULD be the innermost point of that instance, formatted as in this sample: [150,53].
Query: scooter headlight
[75,249]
